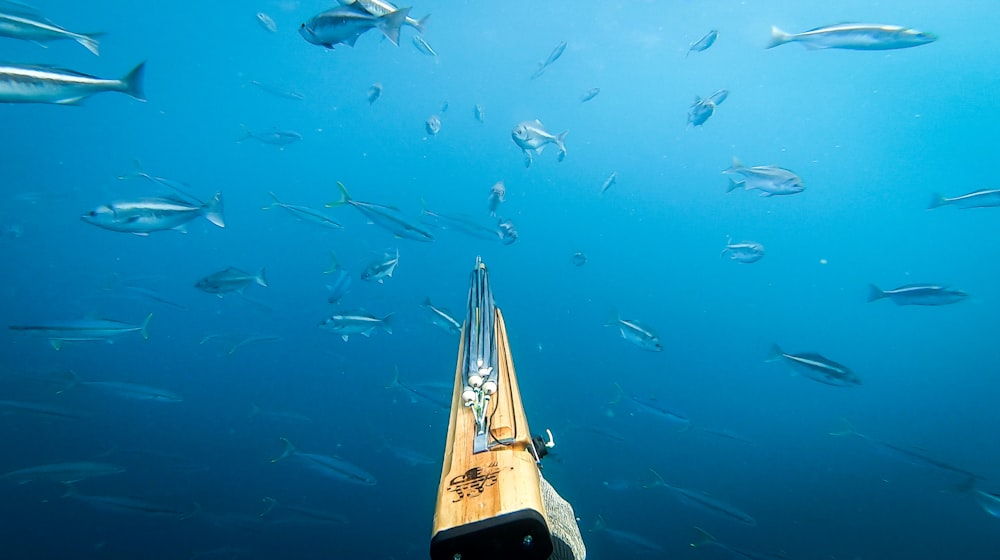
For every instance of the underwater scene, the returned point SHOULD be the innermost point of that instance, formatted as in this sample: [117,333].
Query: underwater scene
[745,253]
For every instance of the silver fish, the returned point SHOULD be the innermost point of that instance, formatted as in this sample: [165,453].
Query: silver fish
[432,125]
[463,223]
[652,407]
[441,318]
[497,194]
[918,294]
[130,391]
[745,252]
[553,56]
[283,92]
[280,415]
[125,504]
[508,233]
[303,213]
[147,215]
[280,138]
[704,43]
[356,322]
[298,513]
[344,24]
[382,7]
[609,182]
[854,36]
[987,501]
[635,332]
[707,539]
[332,467]
[374,92]
[340,281]
[75,330]
[590,94]
[62,472]
[423,46]
[41,409]
[978,199]
[435,394]
[579,259]
[267,22]
[707,503]
[532,138]
[388,217]
[21,83]
[637,544]
[18,21]
[381,267]
[230,280]
[480,113]
[768,179]
[816,367]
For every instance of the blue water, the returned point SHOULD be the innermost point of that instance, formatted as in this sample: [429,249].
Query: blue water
[872,134]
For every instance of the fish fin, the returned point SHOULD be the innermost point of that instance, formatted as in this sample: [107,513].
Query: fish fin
[387,323]
[421,24]
[659,480]
[260,278]
[213,210]
[846,429]
[345,197]
[144,328]
[132,82]
[763,194]
[391,22]
[540,149]
[619,395]
[344,337]
[271,503]
[775,354]
[734,185]
[736,166]
[527,158]
[615,319]
[705,538]
[874,293]
[73,381]
[287,452]
[560,142]
[335,264]
[56,343]
[69,490]
[937,200]
[73,101]
[89,42]
[778,37]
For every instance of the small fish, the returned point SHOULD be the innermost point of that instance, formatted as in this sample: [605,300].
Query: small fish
[652,407]
[344,24]
[18,21]
[553,56]
[978,199]
[432,125]
[704,43]
[374,92]
[707,503]
[745,252]
[128,391]
[230,280]
[24,83]
[987,501]
[816,367]
[267,22]
[768,179]
[444,107]
[590,94]
[438,395]
[579,259]
[508,233]
[62,472]
[340,281]
[388,217]
[854,36]
[381,267]
[40,409]
[918,294]
[329,466]
[127,505]
[299,514]
[382,7]
[303,213]
[280,415]
[147,215]
[423,46]
[84,330]
[280,138]
[480,113]
[702,109]
[278,91]
[497,194]
[463,223]
[441,318]
[609,182]
[707,539]
[532,138]
[635,332]
[356,322]
[636,544]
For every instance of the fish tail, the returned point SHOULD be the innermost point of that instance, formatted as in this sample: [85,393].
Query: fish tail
[391,22]
[775,354]
[277,201]
[89,42]
[287,452]
[271,503]
[704,537]
[658,482]
[599,523]
[387,323]
[615,319]
[619,395]
[874,293]
[846,429]
[734,185]
[131,83]
[334,264]
[560,142]
[69,490]
[213,210]
[260,278]
[395,384]
[246,133]
[778,37]
[421,24]
[345,197]
[73,381]
[937,201]
[144,328]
